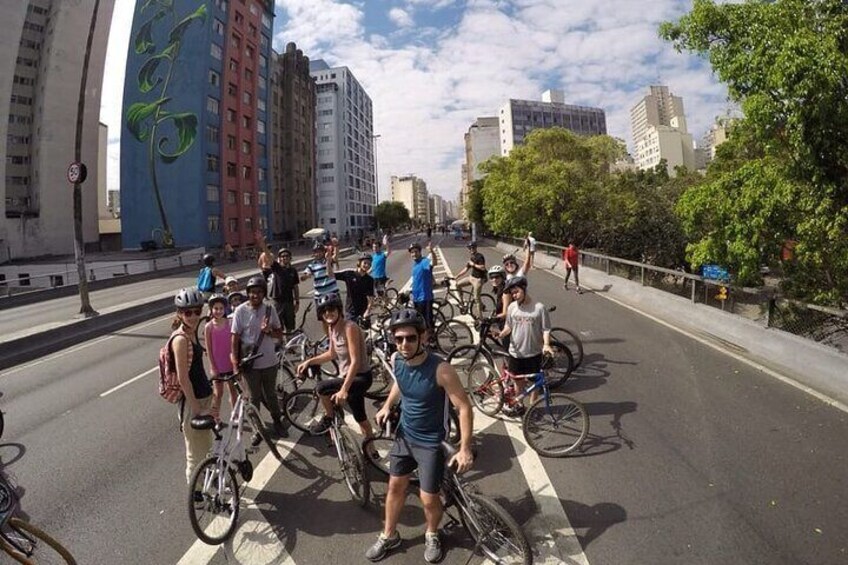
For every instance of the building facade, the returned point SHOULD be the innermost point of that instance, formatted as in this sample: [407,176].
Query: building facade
[293,145]
[194,163]
[482,142]
[658,122]
[519,117]
[411,191]
[42,62]
[346,184]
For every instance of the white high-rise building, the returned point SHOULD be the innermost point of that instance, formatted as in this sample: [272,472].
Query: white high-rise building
[346,192]
[482,142]
[42,51]
[660,132]
[412,192]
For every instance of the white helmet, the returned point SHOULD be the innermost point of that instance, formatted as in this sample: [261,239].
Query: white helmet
[496,270]
[189,298]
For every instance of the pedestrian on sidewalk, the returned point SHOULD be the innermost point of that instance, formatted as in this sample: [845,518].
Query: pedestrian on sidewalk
[571,258]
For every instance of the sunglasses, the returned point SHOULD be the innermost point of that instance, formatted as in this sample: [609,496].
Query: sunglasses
[412,338]
[192,312]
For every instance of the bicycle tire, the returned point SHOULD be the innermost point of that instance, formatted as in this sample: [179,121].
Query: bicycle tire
[26,532]
[454,432]
[572,341]
[487,301]
[303,409]
[464,357]
[382,446]
[286,384]
[558,418]
[445,307]
[259,427]
[381,383]
[391,293]
[207,473]
[559,366]
[2,423]
[453,334]
[485,388]
[494,531]
[200,331]
[352,465]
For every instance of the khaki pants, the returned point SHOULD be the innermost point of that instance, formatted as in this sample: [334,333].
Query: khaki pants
[476,289]
[197,442]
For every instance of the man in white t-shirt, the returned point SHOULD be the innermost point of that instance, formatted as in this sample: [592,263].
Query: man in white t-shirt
[530,246]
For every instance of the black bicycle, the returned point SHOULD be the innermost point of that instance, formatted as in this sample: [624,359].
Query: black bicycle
[22,541]
[464,301]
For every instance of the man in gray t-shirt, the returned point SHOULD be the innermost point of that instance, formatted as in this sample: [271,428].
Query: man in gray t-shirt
[250,321]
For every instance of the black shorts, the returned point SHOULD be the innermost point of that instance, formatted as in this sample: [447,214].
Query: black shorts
[525,365]
[405,457]
[355,396]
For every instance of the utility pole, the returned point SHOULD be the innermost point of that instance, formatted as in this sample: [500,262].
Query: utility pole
[79,245]
[374,139]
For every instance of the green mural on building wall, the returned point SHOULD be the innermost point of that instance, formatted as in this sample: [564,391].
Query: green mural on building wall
[145,120]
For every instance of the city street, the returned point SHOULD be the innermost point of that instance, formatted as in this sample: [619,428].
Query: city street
[693,457]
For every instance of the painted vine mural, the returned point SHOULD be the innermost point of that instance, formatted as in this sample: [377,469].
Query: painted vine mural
[146,121]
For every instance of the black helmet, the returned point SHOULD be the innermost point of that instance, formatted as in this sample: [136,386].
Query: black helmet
[413,246]
[208,259]
[365,257]
[237,294]
[318,246]
[283,251]
[217,298]
[257,281]
[328,302]
[472,245]
[519,281]
[407,317]
[188,298]
[509,257]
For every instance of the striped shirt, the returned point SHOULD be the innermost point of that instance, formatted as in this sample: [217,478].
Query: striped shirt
[321,283]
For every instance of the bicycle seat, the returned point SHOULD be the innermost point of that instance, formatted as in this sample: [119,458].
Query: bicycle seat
[206,422]
[451,450]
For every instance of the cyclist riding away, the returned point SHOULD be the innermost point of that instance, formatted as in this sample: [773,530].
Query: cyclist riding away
[477,265]
[207,276]
[422,280]
[360,288]
[321,271]
[378,265]
[347,346]
[283,288]
[424,384]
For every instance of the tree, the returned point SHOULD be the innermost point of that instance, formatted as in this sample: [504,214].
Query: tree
[391,215]
[786,176]
[475,207]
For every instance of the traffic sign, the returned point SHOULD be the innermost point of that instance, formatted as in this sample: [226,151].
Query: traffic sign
[77,172]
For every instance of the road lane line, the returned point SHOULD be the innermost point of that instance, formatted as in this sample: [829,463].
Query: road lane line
[129,382]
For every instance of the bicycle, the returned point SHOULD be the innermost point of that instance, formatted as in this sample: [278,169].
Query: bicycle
[385,298]
[303,409]
[214,490]
[22,541]
[495,533]
[553,416]
[464,299]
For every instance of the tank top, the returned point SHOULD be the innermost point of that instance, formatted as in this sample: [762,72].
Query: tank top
[197,374]
[424,409]
[220,337]
[343,351]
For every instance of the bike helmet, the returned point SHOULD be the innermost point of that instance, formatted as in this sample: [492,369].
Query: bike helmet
[217,298]
[189,298]
[283,251]
[208,259]
[237,294]
[496,271]
[472,245]
[365,257]
[509,257]
[318,246]
[407,317]
[413,246]
[329,302]
[256,281]
[519,281]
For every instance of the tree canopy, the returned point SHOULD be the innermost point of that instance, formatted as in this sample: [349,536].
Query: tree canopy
[391,215]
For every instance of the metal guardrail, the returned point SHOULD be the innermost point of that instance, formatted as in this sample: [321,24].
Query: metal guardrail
[764,306]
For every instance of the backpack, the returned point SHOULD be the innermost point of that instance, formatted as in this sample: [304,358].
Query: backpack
[205,281]
[169,382]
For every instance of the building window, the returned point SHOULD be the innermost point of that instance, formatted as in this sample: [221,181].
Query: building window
[326,112]
[325,138]
[245,172]
[212,105]
[231,115]
[211,134]
[260,104]
[260,126]
[266,21]
[263,61]
[263,223]
[214,78]
[231,142]
[248,76]
[231,197]
[233,225]
[212,193]
[246,97]
[211,163]
[239,18]
[235,42]
[245,147]
[213,223]
[233,65]
[248,200]
[218,26]
[248,224]
[231,169]
[326,166]
[260,174]
[251,28]
[232,89]
[23,279]
[222,5]
[248,52]
[216,51]
[264,42]
[254,9]
[262,197]
[245,121]
[328,179]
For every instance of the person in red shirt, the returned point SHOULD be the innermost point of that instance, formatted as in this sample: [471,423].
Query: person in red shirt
[571,257]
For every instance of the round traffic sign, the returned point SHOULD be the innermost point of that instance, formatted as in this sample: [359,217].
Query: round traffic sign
[77,172]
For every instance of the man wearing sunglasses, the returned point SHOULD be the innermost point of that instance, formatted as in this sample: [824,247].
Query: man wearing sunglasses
[425,384]
[283,281]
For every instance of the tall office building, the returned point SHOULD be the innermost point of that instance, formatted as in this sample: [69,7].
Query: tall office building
[660,132]
[292,145]
[482,141]
[194,147]
[519,117]
[412,192]
[347,192]
[42,51]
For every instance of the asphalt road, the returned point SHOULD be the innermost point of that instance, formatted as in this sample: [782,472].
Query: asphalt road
[693,457]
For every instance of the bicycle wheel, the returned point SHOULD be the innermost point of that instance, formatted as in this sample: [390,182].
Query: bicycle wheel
[487,302]
[453,334]
[559,366]
[303,409]
[445,307]
[200,331]
[381,383]
[391,294]
[454,432]
[462,358]
[353,468]
[572,341]
[555,426]
[31,545]
[380,447]
[495,532]
[286,384]
[330,369]
[2,423]
[253,417]
[214,519]
[485,389]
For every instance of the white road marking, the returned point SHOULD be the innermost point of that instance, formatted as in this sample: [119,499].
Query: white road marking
[129,382]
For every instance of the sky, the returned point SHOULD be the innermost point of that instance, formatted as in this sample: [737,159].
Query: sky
[431,67]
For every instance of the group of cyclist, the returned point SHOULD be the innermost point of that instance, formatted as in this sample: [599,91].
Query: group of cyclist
[424,382]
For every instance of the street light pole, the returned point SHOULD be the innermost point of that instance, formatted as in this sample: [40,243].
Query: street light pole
[374,139]
[79,245]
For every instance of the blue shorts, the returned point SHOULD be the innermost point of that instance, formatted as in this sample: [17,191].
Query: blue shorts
[405,457]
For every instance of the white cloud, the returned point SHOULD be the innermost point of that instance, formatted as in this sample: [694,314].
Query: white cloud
[401,17]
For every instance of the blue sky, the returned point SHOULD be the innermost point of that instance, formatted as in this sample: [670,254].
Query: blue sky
[432,67]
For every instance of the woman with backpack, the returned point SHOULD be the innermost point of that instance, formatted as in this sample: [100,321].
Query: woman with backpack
[194,384]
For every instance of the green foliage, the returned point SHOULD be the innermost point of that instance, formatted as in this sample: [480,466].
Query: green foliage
[475,206]
[186,125]
[391,215]
[786,178]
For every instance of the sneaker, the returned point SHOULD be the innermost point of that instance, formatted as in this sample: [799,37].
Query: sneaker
[321,426]
[432,547]
[514,411]
[579,290]
[565,286]
[280,428]
[255,439]
[382,546]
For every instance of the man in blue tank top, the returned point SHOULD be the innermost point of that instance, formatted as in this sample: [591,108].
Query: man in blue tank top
[426,385]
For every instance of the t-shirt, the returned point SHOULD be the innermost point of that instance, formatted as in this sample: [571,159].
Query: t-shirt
[518,273]
[247,324]
[527,322]
[571,255]
[531,243]
[478,259]
[378,265]
[359,288]
[321,283]
[282,282]
[422,280]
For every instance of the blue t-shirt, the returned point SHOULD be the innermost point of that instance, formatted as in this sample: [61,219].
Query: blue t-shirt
[378,265]
[422,280]
[424,404]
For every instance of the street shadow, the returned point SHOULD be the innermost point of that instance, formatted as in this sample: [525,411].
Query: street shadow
[603,289]
[599,444]
[11,453]
[590,522]
[592,373]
